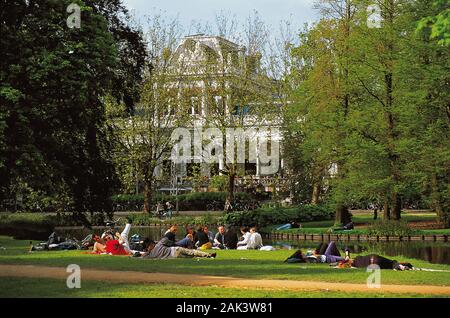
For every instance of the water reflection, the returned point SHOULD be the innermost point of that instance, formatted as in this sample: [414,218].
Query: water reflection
[433,252]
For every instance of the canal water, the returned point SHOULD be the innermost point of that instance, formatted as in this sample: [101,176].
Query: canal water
[433,252]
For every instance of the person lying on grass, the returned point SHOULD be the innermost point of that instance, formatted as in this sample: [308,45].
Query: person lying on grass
[115,245]
[165,249]
[374,259]
[324,253]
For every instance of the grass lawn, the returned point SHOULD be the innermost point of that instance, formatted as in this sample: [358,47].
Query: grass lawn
[246,264]
[364,218]
[39,287]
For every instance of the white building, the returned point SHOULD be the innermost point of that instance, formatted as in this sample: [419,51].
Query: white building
[208,71]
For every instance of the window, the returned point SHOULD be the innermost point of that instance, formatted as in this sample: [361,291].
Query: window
[219,104]
[170,108]
[196,106]
[241,110]
[250,168]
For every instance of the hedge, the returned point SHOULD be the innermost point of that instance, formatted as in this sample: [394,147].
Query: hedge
[277,215]
[26,225]
[186,202]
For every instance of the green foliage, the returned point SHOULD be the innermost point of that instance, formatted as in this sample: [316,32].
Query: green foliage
[194,201]
[268,216]
[394,228]
[373,103]
[219,182]
[145,219]
[53,79]
[437,25]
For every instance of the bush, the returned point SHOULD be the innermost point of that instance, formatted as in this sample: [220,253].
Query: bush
[219,182]
[194,201]
[390,227]
[145,220]
[269,216]
[26,225]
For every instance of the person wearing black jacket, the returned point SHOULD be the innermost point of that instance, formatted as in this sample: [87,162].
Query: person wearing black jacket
[230,239]
[201,238]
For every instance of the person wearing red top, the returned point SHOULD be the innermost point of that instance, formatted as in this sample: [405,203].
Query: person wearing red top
[115,245]
[115,248]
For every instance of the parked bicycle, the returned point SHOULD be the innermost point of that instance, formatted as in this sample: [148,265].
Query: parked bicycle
[215,206]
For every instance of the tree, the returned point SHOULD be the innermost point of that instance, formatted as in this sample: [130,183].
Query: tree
[324,98]
[53,80]
[239,93]
[145,134]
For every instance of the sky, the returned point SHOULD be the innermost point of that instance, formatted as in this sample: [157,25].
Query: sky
[270,11]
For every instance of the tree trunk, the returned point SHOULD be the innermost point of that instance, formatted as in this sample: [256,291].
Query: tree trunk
[230,194]
[396,206]
[386,210]
[342,214]
[436,202]
[148,196]
[393,157]
[315,193]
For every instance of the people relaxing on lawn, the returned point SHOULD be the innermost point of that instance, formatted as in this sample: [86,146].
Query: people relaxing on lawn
[115,244]
[186,242]
[254,242]
[202,238]
[171,232]
[324,253]
[347,227]
[287,226]
[164,249]
[243,241]
[55,242]
[231,238]
[219,239]
[374,259]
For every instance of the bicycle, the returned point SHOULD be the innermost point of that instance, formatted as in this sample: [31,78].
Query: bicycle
[214,206]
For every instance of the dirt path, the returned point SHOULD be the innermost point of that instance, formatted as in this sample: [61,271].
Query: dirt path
[203,280]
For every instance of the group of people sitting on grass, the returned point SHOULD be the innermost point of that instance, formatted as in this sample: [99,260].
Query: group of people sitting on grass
[329,253]
[118,244]
[193,244]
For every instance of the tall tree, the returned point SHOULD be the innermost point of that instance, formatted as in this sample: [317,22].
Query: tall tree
[53,79]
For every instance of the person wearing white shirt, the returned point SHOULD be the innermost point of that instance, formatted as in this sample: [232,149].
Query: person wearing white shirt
[242,244]
[255,241]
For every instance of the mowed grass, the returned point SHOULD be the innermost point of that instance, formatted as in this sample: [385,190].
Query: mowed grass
[246,264]
[38,287]
[362,219]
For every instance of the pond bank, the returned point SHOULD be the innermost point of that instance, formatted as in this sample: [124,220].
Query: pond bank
[355,237]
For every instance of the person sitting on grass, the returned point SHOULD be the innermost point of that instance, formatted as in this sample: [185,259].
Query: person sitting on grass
[374,259]
[254,241]
[163,249]
[115,245]
[202,240]
[186,242]
[230,238]
[242,244]
[171,232]
[219,239]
